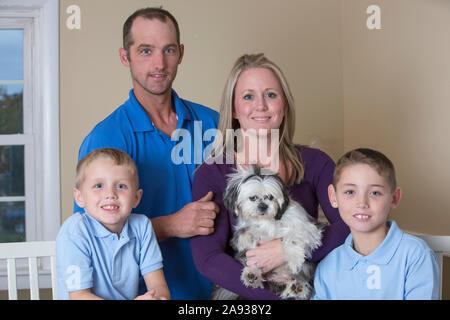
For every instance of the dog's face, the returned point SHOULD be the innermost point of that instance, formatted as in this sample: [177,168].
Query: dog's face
[251,194]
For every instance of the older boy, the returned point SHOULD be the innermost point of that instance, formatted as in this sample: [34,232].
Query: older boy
[377,260]
[100,253]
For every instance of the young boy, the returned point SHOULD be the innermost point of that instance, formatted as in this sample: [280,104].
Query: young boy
[377,260]
[100,253]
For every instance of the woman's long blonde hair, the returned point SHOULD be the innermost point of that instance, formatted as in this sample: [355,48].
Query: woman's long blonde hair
[289,153]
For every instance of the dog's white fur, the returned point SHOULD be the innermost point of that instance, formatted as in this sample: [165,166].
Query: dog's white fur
[265,211]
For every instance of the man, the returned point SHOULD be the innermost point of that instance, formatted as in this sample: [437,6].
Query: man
[147,127]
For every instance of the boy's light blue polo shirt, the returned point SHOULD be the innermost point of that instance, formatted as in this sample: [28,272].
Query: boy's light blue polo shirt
[90,256]
[403,267]
[166,184]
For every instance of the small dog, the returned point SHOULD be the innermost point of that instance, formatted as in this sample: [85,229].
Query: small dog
[265,211]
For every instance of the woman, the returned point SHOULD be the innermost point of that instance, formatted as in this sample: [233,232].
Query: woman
[258,106]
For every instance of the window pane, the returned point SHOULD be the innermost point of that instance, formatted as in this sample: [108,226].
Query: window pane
[11,108]
[12,221]
[11,57]
[12,171]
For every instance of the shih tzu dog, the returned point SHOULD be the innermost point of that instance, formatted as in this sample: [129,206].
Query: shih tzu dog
[264,211]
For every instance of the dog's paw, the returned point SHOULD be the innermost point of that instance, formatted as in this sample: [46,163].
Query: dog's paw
[252,278]
[296,289]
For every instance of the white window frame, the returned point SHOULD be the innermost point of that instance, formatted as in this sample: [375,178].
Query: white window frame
[43,16]
[27,139]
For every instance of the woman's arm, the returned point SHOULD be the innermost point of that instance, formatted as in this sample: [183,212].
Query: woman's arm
[337,231]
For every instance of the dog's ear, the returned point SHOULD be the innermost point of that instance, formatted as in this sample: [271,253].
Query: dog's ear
[230,196]
[237,211]
[286,200]
[283,208]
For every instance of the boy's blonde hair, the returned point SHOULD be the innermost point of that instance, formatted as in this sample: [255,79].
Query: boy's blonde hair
[119,158]
[374,159]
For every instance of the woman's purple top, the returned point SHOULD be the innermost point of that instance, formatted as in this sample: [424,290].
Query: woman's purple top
[213,255]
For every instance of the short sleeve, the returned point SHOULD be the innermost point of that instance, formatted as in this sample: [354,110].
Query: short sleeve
[422,278]
[320,289]
[74,263]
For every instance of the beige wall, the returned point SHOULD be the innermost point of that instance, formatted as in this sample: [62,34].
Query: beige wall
[396,89]
[387,89]
[303,37]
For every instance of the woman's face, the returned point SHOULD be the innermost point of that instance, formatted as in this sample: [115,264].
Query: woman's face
[259,101]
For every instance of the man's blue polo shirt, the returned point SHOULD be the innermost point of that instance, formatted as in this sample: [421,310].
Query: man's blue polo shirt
[403,267]
[165,174]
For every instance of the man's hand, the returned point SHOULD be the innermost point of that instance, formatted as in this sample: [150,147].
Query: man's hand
[195,218]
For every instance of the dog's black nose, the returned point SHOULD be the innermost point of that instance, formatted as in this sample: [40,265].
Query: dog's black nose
[262,207]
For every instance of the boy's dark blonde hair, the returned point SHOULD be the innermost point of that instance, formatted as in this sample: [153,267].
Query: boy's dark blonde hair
[373,158]
[119,158]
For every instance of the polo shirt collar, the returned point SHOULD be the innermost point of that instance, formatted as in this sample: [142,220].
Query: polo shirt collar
[382,255]
[100,231]
[181,109]
[140,121]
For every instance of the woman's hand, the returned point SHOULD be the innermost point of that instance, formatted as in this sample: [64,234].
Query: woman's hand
[267,256]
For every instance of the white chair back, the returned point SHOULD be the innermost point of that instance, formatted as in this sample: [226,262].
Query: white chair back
[31,250]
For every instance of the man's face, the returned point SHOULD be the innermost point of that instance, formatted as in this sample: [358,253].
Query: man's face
[154,56]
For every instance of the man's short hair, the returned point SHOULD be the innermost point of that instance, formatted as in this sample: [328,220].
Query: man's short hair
[147,13]
[119,158]
[373,158]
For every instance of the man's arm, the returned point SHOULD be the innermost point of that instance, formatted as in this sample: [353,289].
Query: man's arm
[195,218]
